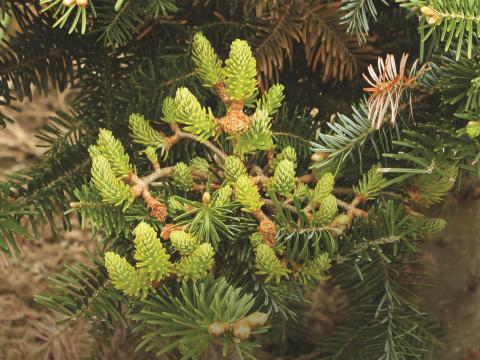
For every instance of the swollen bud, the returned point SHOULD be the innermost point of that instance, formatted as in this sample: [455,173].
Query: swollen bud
[256,319]
[68,3]
[206,198]
[217,328]
[341,221]
[431,16]
[319,156]
[241,331]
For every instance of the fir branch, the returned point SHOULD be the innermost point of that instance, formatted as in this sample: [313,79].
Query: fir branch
[357,15]
[321,33]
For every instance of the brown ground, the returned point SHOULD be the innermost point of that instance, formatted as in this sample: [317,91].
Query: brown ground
[27,331]
[455,270]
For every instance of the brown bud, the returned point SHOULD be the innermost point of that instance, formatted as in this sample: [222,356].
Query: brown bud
[217,328]
[268,230]
[256,319]
[319,156]
[158,210]
[236,122]
[167,231]
[241,330]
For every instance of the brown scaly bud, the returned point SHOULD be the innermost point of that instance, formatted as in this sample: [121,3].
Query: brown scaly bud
[268,230]
[241,331]
[218,328]
[167,231]
[158,210]
[256,319]
[236,122]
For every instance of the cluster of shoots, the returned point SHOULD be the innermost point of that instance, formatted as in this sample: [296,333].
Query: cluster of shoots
[223,182]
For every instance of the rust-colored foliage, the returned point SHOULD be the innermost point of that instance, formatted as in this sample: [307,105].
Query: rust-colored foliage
[317,26]
[388,86]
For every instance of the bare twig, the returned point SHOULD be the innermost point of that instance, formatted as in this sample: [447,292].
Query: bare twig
[208,144]
[351,208]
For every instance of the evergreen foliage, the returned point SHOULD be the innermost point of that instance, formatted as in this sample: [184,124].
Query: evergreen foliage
[150,255]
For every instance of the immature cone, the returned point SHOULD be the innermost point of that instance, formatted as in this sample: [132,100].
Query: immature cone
[269,231]
[184,242]
[182,176]
[68,3]
[283,180]
[82,3]
[236,122]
